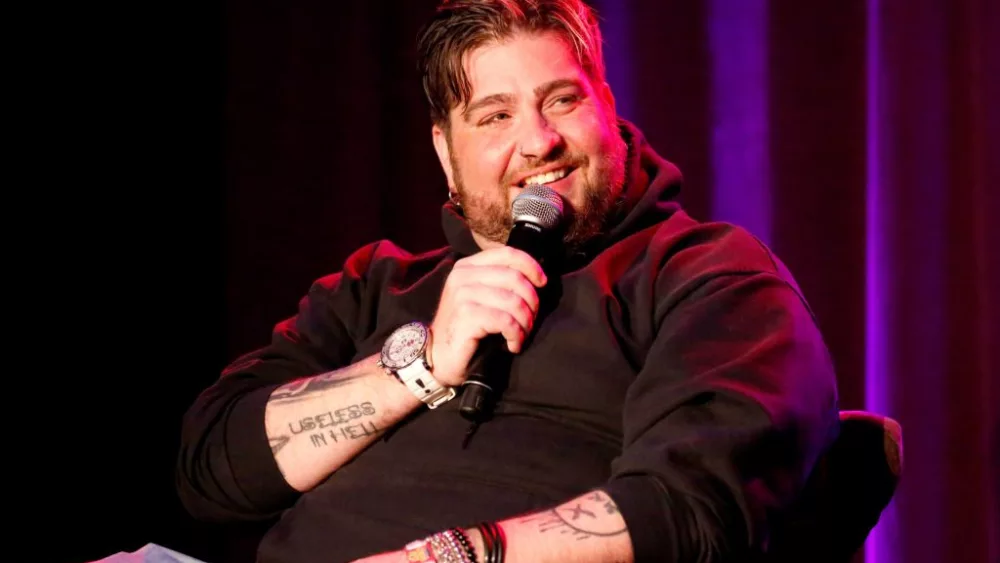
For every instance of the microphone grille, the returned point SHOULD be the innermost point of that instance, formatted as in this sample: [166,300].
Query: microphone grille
[538,204]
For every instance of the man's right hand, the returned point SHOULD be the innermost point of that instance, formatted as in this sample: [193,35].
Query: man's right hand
[491,292]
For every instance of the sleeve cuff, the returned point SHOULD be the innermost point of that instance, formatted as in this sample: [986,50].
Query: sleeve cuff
[641,503]
[252,463]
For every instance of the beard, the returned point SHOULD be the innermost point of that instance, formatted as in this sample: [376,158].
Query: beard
[489,213]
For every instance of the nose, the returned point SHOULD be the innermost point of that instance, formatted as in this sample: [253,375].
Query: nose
[538,139]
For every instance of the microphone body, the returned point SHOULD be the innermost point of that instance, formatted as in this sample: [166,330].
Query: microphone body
[536,212]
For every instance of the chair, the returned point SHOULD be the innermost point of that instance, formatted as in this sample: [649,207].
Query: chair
[844,498]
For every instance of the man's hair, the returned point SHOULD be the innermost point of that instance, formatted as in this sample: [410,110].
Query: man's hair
[460,26]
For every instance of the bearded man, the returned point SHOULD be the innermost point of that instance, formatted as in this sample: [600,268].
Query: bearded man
[666,391]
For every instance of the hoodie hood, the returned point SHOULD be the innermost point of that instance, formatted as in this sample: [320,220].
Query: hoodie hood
[652,185]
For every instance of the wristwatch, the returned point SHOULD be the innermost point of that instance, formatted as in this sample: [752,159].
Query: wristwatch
[405,355]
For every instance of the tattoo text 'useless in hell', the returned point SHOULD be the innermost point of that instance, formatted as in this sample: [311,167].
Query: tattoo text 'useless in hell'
[331,419]
[336,425]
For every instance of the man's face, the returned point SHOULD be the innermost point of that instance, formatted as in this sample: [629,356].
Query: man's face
[534,117]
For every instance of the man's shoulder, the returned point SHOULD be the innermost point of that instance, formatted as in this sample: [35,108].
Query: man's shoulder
[713,247]
[379,257]
[389,251]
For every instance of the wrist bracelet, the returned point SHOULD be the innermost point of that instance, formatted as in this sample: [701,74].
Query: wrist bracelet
[464,544]
[450,546]
[501,541]
[488,548]
[450,552]
[494,542]
[419,551]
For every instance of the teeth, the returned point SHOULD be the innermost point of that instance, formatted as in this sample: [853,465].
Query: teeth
[547,177]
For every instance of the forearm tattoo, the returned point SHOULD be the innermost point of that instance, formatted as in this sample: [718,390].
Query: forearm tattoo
[352,422]
[307,387]
[278,442]
[585,517]
[331,427]
[341,424]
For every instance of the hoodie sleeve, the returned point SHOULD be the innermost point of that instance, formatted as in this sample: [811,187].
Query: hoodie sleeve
[736,400]
[225,468]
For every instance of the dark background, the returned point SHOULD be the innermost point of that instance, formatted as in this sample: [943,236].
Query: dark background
[200,165]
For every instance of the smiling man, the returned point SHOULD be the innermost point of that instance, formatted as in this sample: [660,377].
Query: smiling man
[668,393]
[537,117]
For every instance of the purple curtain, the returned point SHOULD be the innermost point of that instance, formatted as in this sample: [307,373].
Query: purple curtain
[861,139]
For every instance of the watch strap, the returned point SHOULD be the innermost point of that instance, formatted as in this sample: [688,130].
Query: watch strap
[418,379]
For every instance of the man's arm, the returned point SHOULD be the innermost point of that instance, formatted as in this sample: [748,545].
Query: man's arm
[226,470]
[586,529]
[264,433]
[722,426]
[317,424]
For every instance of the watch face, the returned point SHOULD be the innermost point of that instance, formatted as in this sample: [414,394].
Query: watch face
[405,345]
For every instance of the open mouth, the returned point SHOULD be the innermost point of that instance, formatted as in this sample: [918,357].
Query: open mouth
[547,177]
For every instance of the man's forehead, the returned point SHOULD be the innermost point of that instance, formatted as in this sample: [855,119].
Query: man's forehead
[524,61]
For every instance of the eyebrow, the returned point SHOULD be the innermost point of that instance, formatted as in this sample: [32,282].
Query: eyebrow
[549,87]
[540,92]
[487,101]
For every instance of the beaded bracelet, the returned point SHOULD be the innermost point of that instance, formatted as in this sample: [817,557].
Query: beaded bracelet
[450,546]
[465,546]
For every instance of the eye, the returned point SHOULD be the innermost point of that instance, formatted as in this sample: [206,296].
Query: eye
[564,102]
[495,118]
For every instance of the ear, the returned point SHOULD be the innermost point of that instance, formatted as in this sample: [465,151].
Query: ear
[440,139]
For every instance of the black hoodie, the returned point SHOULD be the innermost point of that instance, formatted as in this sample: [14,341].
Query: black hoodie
[677,367]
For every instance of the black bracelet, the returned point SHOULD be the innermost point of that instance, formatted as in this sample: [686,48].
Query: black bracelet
[487,543]
[489,548]
[493,542]
[501,542]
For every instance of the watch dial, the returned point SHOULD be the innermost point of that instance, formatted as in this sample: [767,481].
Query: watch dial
[405,345]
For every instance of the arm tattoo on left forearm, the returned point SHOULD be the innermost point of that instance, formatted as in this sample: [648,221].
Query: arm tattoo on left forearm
[584,517]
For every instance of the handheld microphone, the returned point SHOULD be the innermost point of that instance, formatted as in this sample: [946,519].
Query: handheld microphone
[536,212]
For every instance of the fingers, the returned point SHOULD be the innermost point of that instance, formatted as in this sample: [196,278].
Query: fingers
[507,302]
[471,281]
[491,292]
[484,320]
[511,258]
